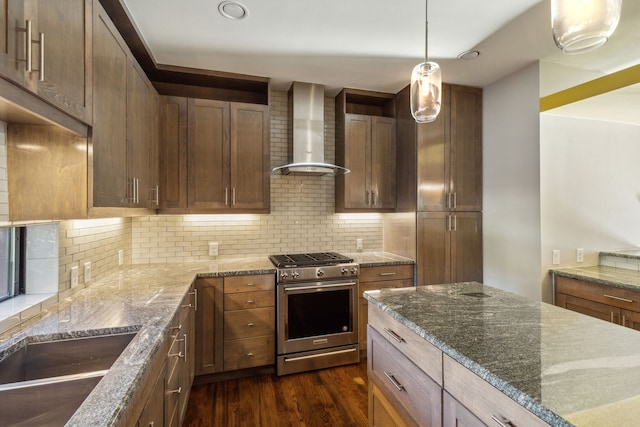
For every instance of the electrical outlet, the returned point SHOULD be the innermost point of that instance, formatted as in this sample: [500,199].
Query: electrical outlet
[121,257]
[213,248]
[579,255]
[359,244]
[87,271]
[555,255]
[74,276]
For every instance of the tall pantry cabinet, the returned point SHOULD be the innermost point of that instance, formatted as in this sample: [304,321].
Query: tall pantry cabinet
[443,184]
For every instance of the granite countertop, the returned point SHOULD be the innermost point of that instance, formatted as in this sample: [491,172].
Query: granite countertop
[564,367]
[377,259]
[604,275]
[143,298]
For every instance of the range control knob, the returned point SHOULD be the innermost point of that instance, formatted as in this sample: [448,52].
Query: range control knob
[344,270]
[284,275]
[354,270]
[320,273]
[295,275]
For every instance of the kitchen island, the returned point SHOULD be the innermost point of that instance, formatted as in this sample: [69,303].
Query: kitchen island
[564,368]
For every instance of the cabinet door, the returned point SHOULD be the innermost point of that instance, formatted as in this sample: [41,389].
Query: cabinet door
[153,413]
[12,40]
[466,247]
[434,261]
[590,308]
[382,413]
[208,326]
[138,134]
[173,153]
[154,149]
[434,160]
[357,155]
[208,154]
[383,162]
[630,319]
[454,414]
[250,178]
[109,138]
[466,148]
[66,25]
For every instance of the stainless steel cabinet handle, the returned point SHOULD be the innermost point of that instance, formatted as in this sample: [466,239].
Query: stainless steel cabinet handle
[502,422]
[455,223]
[185,346]
[366,197]
[392,273]
[455,200]
[156,195]
[27,46]
[448,222]
[374,197]
[250,301]
[624,320]
[249,354]
[41,73]
[226,196]
[179,354]
[233,196]
[448,200]
[195,300]
[251,324]
[618,298]
[394,335]
[394,381]
[177,391]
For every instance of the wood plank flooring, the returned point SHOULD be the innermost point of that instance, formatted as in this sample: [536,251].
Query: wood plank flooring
[329,397]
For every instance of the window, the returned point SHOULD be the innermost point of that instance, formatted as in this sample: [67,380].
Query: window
[11,253]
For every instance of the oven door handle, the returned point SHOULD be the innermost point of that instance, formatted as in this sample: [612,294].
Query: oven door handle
[304,288]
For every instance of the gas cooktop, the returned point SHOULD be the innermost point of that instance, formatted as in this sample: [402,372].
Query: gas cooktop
[309,260]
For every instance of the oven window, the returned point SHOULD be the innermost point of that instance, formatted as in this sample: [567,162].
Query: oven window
[319,313]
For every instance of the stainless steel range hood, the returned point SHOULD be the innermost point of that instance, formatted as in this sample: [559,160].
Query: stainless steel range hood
[306,133]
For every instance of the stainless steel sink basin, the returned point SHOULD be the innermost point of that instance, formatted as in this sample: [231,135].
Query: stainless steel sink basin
[44,383]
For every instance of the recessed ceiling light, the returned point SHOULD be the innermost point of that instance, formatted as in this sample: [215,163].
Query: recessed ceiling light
[469,55]
[233,10]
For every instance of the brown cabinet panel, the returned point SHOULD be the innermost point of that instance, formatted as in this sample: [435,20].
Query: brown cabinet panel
[434,248]
[173,153]
[383,162]
[250,179]
[454,414]
[249,352]
[356,152]
[382,413]
[249,323]
[466,247]
[139,136]
[248,300]
[251,283]
[209,326]
[109,137]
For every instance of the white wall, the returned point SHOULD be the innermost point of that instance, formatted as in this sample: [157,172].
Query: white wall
[511,183]
[590,181]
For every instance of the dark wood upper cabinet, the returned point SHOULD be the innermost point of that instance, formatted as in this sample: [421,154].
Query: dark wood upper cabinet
[215,156]
[365,144]
[60,47]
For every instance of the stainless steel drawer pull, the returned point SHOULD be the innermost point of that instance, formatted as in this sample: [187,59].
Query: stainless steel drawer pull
[394,381]
[173,328]
[185,346]
[177,391]
[179,355]
[250,301]
[251,324]
[502,422]
[41,70]
[27,45]
[249,354]
[394,335]
[195,300]
[250,284]
[393,273]
[618,298]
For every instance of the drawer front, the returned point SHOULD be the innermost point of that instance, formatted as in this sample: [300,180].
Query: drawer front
[486,402]
[249,323]
[263,282]
[392,272]
[382,284]
[250,352]
[403,382]
[417,349]
[622,298]
[248,300]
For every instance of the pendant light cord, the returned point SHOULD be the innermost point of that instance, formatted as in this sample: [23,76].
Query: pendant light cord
[426,31]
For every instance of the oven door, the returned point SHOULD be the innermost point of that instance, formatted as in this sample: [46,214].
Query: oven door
[316,315]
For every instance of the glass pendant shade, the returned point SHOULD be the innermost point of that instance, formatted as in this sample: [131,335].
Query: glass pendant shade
[426,92]
[581,26]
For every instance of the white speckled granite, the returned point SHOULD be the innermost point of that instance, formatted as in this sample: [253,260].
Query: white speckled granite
[141,298]
[564,367]
[611,276]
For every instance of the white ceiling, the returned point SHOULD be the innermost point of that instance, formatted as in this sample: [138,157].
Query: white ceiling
[368,44]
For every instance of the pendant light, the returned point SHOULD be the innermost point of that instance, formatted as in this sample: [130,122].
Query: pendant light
[581,26]
[426,84]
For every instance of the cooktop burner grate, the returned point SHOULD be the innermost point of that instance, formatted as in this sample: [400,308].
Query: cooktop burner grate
[308,260]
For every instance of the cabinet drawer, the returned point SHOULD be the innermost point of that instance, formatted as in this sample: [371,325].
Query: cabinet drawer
[403,382]
[483,400]
[247,300]
[417,349]
[264,282]
[249,352]
[392,272]
[610,295]
[249,323]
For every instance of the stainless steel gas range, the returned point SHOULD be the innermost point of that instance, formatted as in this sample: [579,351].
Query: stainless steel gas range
[316,311]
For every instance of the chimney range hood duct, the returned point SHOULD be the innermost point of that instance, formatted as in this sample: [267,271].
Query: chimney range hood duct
[306,133]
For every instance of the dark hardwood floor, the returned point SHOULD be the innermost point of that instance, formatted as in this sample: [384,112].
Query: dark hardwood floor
[335,397]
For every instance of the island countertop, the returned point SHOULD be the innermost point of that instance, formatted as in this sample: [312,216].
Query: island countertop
[564,367]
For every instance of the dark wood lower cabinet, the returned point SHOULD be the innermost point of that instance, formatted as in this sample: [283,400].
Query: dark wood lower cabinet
[208,325]
[449,247]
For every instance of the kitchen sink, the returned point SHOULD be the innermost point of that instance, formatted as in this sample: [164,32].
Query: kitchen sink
[44,383]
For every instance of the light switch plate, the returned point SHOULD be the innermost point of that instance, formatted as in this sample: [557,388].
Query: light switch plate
[579,255]
[213,248]
[359,244]
[74,276]
[555,255]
